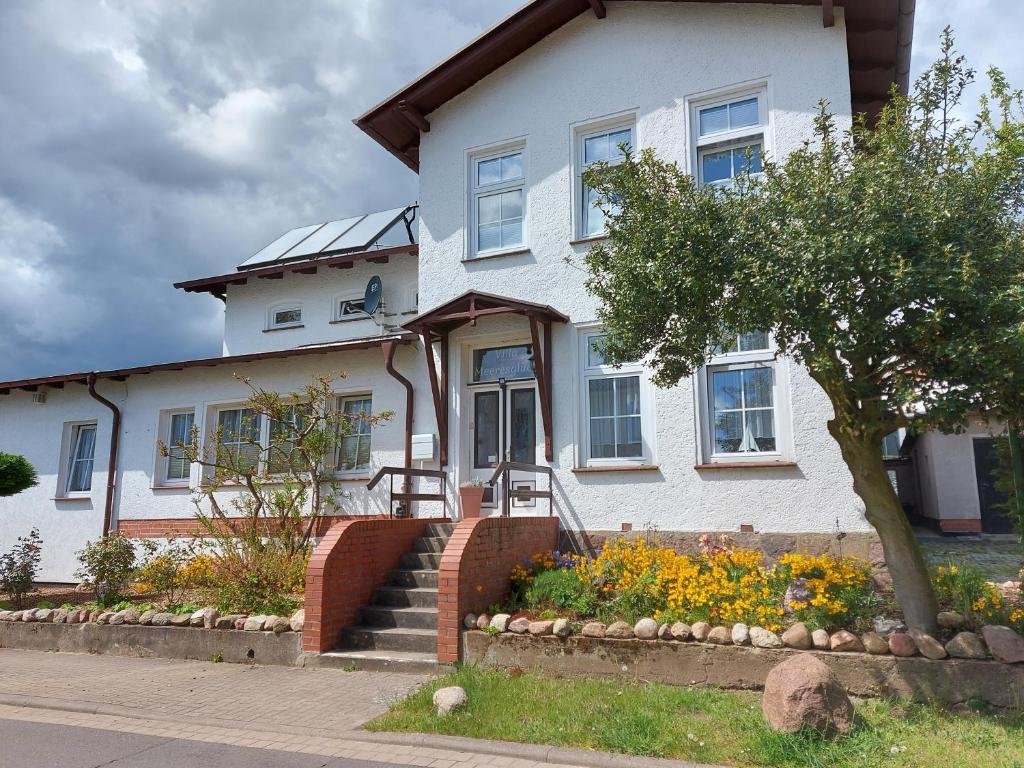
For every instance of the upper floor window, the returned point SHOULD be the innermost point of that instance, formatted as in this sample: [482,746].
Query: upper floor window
[284,316]
[602,145]
[498,199]
[353,308]
[730,137]
[81,449]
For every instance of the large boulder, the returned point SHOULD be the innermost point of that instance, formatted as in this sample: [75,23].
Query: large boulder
[447,700]
[1005,644]
[802,692]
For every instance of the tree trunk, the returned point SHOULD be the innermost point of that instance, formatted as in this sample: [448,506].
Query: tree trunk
[883,510]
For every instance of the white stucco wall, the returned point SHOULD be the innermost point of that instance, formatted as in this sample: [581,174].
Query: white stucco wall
[247,307]
[946,472]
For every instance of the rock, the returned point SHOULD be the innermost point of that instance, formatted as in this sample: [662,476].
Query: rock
[874,643]
[205,618]
[950,620]
[539,628]
[268,622]
[181,619]
[6,615]
[226,622]
[254,623]
[902,644]
[763,638]
[620,630]
[646,629]
[593,629]
[700,631]
[281,625]
[802,692]
[447,700]
[162,619]
[94,616]
[60,616]
[846,641]
[1005,644]
[664,632]
[796,592]
[967,645]
[146,619]
[561,628]
[240,622]
[886,627]
[740,634]
[470,621]
[520,626]
[132,616]
[44,615]
[117,619]
[298,620]
[500,621]
[928,646]
[820,640]
[680,631]
[484,620]
[720,636]
[105,617]
[798,636]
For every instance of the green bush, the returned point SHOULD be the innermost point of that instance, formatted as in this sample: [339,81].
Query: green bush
[563,589]
[19,566]
[641,599]
[16,474]
[108,566]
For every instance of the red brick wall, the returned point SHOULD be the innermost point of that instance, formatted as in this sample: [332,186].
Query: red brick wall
[351,561]
[170,527]
[476,565]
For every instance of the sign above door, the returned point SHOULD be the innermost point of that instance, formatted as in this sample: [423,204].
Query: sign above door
[509,363]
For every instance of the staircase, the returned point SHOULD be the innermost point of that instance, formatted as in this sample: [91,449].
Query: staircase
[398,630]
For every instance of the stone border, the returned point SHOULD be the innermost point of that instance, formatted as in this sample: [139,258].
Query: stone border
[949,682]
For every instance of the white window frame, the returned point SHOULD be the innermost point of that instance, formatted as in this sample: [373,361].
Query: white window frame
[475,192]
[731,361]
[344,298]
[69,442]
[284,306]
[340,401]
[728,139]
[163,462]
[580,134]
[588,372]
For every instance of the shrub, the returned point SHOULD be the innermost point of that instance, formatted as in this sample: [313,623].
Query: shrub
[839,588]
[563,589]
[18,567]
[16,474]
[171,569]
[108,565]
[964,588]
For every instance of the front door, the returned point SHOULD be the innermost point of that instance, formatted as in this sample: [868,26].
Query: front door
[504,428]
[994,516]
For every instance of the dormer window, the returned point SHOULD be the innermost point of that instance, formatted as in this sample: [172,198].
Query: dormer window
[283,316]
[351,307]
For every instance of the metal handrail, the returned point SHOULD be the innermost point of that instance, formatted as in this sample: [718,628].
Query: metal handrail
[502,470]
[405,496]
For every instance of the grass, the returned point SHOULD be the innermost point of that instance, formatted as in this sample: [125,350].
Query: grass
[702,724]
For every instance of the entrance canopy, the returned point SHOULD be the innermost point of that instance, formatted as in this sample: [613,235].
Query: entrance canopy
[436,324]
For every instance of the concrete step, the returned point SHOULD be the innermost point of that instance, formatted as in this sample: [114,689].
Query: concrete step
[389,639]
[430,544]
[404,577]
[412,662]
[440,529]
[421,560]
[406,597]
[405,618]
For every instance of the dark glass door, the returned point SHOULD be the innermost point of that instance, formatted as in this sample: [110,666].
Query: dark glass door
[994,517]
[487,428]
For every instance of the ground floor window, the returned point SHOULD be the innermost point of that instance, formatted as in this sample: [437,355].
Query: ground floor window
[178,433]
[80,458]
[354,447]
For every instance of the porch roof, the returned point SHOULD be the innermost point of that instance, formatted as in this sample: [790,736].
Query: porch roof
[82,377]
[472,305]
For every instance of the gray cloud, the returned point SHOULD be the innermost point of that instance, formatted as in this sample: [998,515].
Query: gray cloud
[145,142]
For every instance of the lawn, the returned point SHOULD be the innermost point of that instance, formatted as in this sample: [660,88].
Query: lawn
[701,724]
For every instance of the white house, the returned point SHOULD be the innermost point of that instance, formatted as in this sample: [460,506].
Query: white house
[484,313]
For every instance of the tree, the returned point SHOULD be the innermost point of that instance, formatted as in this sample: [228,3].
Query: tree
[16,474]
[875,256]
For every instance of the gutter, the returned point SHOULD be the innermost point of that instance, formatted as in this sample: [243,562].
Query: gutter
[389,366]
[904,42]
[115,436]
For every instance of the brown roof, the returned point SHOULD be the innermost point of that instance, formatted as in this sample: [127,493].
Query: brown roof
[218,284]
[471,306]
[82,377]
[878,38]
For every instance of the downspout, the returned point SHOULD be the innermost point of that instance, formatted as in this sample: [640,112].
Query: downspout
[115,434]
[389,366]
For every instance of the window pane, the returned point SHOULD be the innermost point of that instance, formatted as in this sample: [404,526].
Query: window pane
[629,438]
[743,113]
[602,397]
[180,433]
[489,209]
[488,237]
[716,167]
[512,167]
[485,420]
[488,171]
[82,450]
[761,425]
[511,233]
[617,138]
[726,389]
[752,342]
[594,218]
[595,148]
[285,316]
[728,431]
[741,162]
[595,355]
[511,204]
[602,438]
[757,388]
[524,426]
[627,391]
[714,119]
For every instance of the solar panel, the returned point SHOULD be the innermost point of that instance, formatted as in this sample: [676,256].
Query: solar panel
[279,247]
[366,232]
[324,236]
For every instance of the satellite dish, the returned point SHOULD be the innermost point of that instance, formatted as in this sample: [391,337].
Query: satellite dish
[372,297]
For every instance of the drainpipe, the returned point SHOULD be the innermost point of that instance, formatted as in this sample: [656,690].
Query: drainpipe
[389,366]
[115,434]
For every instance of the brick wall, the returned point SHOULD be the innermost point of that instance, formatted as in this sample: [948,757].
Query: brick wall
[171,527]
[351,561]
[476,565]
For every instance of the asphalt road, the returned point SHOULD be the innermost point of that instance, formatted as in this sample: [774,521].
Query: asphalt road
[39,745]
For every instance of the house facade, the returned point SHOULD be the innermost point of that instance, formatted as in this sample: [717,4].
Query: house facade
[486,346]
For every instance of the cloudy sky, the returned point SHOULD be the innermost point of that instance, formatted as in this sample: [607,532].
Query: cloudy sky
[146,142]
